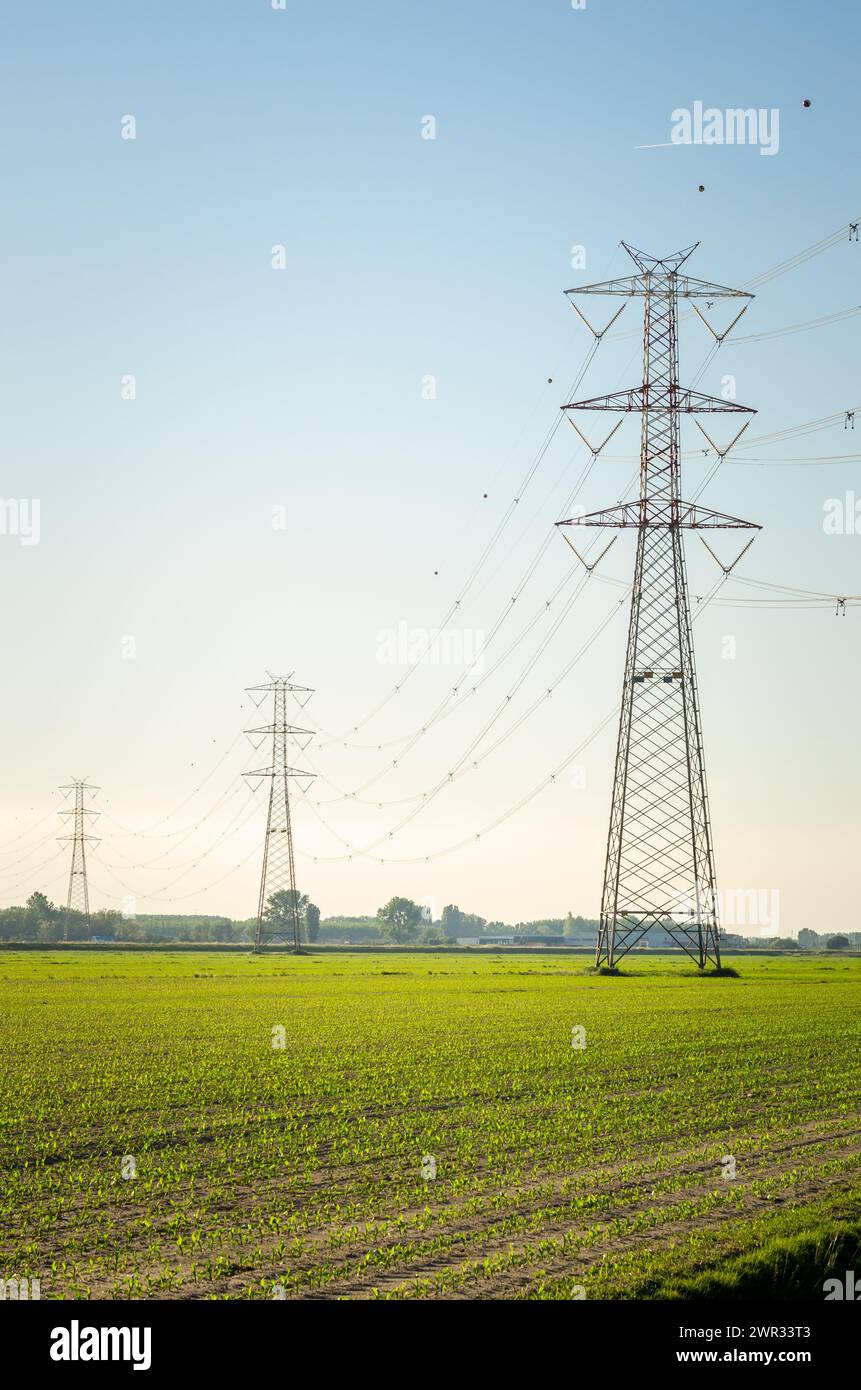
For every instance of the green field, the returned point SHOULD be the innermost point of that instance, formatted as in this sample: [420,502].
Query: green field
[297,1171]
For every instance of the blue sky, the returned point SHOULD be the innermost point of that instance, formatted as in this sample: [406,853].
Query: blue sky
[301,389]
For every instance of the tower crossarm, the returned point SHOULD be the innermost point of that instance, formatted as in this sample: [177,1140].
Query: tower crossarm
[662,396]
[280,729]
[630,286]
[283,684]
[661,511]
[280,772]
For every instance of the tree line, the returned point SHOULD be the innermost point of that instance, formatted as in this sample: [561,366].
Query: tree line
[400,922]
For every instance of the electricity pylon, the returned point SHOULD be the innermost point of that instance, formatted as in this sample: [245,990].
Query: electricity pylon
[78,896]
[279,869]
[659,867]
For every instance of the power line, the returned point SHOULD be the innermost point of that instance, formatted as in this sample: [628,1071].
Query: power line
[476,570]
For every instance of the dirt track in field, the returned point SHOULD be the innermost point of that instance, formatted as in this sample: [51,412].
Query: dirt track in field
[475,1236]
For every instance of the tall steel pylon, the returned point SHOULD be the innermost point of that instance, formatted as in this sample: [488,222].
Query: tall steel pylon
[659,867]
[78,896]
[279,869]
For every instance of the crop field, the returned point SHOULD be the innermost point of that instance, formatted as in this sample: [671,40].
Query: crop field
[417,1126]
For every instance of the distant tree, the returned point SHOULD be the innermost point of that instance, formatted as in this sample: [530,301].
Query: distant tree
[40,906]
[278,912]
[44,917]
[783,943]
[312,921]
[451,921]
[400,919]
[16,924]
[106,924]
[472,925]
[838,943]
[67,922]
[431,935]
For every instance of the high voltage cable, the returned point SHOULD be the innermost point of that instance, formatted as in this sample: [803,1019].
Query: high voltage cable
[797,327]
[34,826]
[806,427]
[182,897]
[454,695]
[442,712]
[193,865]
[799,462]
[562,511]
[27,873]
[192,794]
[469,839]
[823,422]
[150,864]
[446,706]
[801,257]
[428,723]
[459,770]
[549,436]
[791,263]
[30,849]
[535,410]
[530,796]
[530,474]
[441,709]
[437,714]
[60,878]
[787,605]
[788,588]
[809,597]
[230,791]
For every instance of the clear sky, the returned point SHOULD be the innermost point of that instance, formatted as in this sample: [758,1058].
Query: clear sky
[160,587]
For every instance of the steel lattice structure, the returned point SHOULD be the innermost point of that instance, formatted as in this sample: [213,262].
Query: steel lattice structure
[78,896]
[279,868]
[659,868]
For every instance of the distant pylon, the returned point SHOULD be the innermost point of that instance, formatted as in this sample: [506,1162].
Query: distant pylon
[659,868]
[78,896]
[279,869]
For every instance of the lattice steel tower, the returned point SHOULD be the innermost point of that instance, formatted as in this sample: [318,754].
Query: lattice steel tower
[279,869]
[659,868]
[78,896]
